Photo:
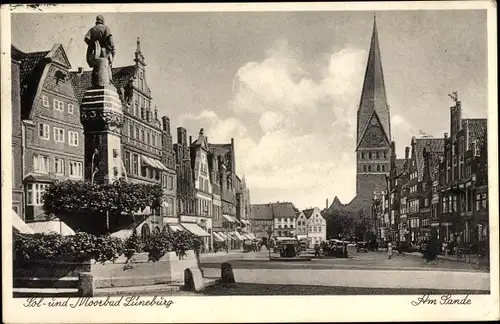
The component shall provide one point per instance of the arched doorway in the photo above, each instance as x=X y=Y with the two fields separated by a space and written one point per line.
x=145 y=231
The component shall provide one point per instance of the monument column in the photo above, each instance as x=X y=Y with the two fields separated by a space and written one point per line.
x=101 y=112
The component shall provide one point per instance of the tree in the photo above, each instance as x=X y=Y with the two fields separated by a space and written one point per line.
x=99 y=208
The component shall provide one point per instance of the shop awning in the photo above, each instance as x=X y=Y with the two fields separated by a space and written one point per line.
x=195 y=229
x=20 y=225
x=222 y=235
x=175 y=227
x=247 y=236
x=217 y=237
x=238 y=236
x=52 y=226
x=252 y=236
x=228 y=218
x=154 y=163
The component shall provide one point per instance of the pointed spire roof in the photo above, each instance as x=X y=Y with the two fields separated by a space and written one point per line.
x=139 y=57
x=373 y=97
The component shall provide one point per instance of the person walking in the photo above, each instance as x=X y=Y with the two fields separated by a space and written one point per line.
x=317 y=251
x=389 y=250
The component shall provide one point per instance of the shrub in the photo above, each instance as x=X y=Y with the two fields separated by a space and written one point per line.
x=182 y=241
x=157 y=244
x=77 y=248
x=132 y=245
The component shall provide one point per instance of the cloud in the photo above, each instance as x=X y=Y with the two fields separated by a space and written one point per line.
x=294 y=134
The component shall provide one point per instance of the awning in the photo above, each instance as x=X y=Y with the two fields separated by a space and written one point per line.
x=252 y=236
x=52 y=226
x=20 y=225
x=175 y=227
x=217 y=237
x=228 y=218
x=247 y=236
x=154 y=163
x=238 y=236
x=195 y=229
x=222 y=235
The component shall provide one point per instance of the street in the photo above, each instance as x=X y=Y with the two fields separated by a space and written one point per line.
x=361 y=273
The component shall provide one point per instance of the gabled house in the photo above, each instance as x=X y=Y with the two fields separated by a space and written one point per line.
x=52 y=134
x=311 y=225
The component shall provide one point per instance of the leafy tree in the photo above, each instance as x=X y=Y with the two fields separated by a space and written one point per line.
x=99 y=208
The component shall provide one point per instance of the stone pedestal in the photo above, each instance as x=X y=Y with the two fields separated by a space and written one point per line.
x=101 y=115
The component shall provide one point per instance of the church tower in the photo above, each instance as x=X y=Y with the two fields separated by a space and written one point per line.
x=373 y=141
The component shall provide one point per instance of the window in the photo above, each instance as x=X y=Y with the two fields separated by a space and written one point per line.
x=147 y=138
x=136 y=107
x=370 y=155
x=45 y=101
x=130 y=131
x=364 y=168
x=71 y=109
x=378 y=168
x=362 y=155
x=377 y=155
x=369 y=168
x=135 y=164
x=153 y=140
x=481 y=201
x=143 y=135
x=41 y=163
x=426 y=202
x=75 y=169
x=34 y=193
x=164 y=180
x=59 y=165
x=44 y=131
x=385 y=154
x=58 y=105
x=136 y=133
x=72 y=138
x=383 y=168
x=128 y=156
x=59 y=134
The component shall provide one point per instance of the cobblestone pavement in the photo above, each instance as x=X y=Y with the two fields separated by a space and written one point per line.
x=367 y=270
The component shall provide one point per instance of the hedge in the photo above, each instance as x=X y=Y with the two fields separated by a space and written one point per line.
x=84 y=247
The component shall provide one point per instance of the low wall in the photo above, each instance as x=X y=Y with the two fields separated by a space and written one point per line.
x=138 y=272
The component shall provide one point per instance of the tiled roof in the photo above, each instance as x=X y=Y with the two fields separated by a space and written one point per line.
x=308 y=212
x=82 y=81
x=283 y=210
x=261 y=212
x=28 y=63
x=400 y=165
x=477 y=130
x=431 y=145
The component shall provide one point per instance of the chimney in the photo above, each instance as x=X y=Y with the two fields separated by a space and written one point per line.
x=407 y=153
x=326 y=202
x=190 y=139
x=80 y=70
x=445 y=135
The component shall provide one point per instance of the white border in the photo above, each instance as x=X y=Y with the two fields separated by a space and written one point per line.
x=272 y=308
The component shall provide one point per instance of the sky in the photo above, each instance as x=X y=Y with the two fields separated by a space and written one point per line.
x=286 y=85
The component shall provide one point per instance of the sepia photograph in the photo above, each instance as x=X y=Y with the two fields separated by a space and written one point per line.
x=163 y=156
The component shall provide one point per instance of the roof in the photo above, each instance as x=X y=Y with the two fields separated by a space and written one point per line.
x=28 y=63
x=477 y=130
x=373 y=96
x=431 y=145
x=283 y=210
x=308 y=212
x=82 y=81
x=261 y=211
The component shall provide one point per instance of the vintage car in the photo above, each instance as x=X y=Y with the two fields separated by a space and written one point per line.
x=361 y=247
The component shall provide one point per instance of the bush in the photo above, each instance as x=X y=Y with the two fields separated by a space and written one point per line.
x=157 y=244
x=132 y=245
x=75 y=248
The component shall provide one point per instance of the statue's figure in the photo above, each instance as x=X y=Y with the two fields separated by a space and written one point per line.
x=100 y=52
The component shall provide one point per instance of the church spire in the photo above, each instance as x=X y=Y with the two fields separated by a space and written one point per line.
x=373 y=102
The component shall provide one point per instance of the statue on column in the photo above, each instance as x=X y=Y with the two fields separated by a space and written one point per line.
x=100 y=52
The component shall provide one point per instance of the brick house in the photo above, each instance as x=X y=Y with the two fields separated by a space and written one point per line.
x=17 y=141
x=464 y=180
x=261 y=220
x=186 y=192
x=145 y=137
x=53 y=134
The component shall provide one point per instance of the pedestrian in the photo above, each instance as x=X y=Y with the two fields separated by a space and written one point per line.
x=317 y=251
x=389 y=250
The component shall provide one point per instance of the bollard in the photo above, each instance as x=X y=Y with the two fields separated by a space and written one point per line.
x=86 y=284
x=193 y=280
x=226 y=273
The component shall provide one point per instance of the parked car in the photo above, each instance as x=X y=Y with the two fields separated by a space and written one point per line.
x=361 y=247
